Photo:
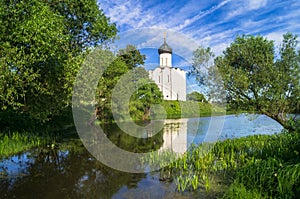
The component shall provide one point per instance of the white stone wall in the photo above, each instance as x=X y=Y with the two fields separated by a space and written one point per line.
x=171 y=81
x=178 y=84
x=165 y=59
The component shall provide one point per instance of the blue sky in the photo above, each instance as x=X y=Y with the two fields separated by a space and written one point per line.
x=192 y=23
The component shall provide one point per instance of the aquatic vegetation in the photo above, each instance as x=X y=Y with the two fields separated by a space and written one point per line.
x=194 y=182
x=259 y=165
x=15 y=142
x=239 y=191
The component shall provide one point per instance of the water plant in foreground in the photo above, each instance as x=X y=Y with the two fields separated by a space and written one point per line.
x=259 y=165
x=15 y=142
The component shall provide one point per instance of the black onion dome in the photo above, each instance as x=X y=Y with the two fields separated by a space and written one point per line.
x=164 y=48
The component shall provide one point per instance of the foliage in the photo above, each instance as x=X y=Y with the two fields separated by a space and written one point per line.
x=131 y=56
x=172 y=108
x=84 y=22
x=239 y=191
x=106 y=84
x=201 y=61
x=41 y=45
x=121 y=78
x=196 y=96
x=254 y=78
x=259 y=165
x=146 y=95
x=15 y=142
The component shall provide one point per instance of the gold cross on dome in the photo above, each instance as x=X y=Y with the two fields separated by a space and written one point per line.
x=165 y=36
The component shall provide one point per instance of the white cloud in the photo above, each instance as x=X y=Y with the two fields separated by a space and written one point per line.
x=193 y=20
x=219 y=48
x=130 y=13
x=189 y=21
x=242 y=7
x=276 y=37
x=256 y=4
x=181 y=44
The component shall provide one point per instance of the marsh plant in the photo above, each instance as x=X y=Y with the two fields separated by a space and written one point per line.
x=15 y=142
x=259 y=165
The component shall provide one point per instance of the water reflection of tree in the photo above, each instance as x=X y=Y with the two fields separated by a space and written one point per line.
x=133 y=144
x=69 y=174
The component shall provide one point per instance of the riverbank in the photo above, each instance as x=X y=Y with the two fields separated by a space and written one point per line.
x=20 y=132
x=189 y=109
x=258 y=166
x=15 y=142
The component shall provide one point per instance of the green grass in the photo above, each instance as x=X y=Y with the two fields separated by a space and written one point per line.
x=187 y=109
x=20 y=132
x=259 y=166
x=15 y=142
x=239 y=191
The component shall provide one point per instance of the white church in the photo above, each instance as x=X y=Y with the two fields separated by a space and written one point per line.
x=171 y=81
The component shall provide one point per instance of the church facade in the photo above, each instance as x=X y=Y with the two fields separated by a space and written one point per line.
x=171 y=81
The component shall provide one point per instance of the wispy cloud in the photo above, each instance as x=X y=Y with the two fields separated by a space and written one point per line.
x=209 y=23
x=191 y=23
x=256 y=4
x=202 y=14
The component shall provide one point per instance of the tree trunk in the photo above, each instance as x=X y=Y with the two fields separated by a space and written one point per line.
x=283 y=121
x=146 y=114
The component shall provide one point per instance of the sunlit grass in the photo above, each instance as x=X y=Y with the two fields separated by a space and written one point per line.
x=15 y=142
x=259 y=165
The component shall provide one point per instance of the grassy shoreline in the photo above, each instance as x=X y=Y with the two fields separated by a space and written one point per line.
x=257 y=166
x=14 y=142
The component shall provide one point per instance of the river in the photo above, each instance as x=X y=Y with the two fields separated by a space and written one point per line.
x=75 y=173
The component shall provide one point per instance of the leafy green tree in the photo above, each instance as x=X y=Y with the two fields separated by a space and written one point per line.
x=146 y=95
x=107 y=82
x=201 y=61
x=84 y=22
x=42 y=44
x=131 y=56
x=196 y=96
x=123 y=66
x=255 y=80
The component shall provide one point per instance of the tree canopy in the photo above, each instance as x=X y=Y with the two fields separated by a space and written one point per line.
x=125 y=66
x=131 y=56
x=42 y=44
x=196 y=96
x=257 y=78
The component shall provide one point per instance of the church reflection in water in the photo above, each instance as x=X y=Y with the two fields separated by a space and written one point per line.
x=175 y=136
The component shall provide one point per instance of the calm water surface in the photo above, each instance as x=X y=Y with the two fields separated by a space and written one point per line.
x=74 y=173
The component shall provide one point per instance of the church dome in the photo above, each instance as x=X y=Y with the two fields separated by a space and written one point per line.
x=165 y=48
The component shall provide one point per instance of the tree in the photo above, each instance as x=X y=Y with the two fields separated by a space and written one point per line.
x=131 y=56
x=84 y=22
x=142 y=90
x=255 y=80
x=201 y=61
x=42 y=44
x=147 y=94
x=107 y=82
x=196 y=96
